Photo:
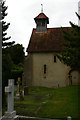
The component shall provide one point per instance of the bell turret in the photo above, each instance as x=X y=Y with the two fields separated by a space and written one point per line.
x=41 y=22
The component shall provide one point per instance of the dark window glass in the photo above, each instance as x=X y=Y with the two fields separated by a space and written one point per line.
x=44 y=68
x=54 y=58
x=43 y=23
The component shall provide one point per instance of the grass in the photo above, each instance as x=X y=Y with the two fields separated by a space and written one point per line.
x=50 y=103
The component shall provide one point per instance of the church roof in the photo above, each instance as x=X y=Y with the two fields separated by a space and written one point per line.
x=50 y=41
x=41 y=15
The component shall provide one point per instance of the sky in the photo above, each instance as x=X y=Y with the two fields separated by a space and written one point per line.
x=21 y=14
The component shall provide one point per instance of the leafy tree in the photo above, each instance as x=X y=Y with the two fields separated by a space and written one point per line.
x=5 y=26
x=7 y=62
x=6 y=68
x=71 y=53
x=7 y=65
x=6 y=59
x=16 y=53
x=17 y=71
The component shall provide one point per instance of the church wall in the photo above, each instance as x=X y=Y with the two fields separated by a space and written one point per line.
x=27 y=78
x=56 y=72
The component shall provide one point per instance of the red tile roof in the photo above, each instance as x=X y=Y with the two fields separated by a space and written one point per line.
x=51 y=41
x=41 y=15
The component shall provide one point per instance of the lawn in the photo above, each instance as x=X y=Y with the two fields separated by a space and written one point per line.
x=50 y=103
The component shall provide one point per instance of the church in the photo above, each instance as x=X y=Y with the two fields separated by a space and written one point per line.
x=41 y=65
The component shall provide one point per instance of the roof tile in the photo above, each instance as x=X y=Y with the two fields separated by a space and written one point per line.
x=50 y=41
x=41 y=15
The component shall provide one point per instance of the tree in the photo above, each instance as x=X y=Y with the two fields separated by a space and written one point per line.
x=7 y=62
x=17 y=71
x=16 y=53
x=5 y=26
x=7 y=65
x=6 y=68
x=78 y=15
x=71 y=53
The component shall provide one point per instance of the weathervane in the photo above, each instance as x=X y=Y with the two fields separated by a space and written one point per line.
x=41 y=8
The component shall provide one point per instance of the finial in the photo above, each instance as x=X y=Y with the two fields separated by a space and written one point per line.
x=41 y=8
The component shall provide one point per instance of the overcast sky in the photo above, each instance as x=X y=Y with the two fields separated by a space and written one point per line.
x=21 y=14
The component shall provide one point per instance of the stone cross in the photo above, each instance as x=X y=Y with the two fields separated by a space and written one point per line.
x=10 y=90
x=10 y=114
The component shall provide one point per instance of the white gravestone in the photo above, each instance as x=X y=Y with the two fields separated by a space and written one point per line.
x=10 y=114
x=10 y=90
x=69 y=118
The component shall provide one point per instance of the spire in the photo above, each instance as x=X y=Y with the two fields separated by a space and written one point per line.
x=41 y=8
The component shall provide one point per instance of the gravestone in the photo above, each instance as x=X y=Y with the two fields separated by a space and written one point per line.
x=69 y=118
x=18 y=87
x=26 y=90
x=10 y=114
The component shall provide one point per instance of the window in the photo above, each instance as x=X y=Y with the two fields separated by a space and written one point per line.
x=43 y=23
x=44 y=68
x=54 y=58
x=38 y=24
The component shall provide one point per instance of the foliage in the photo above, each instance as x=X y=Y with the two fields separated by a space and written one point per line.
x=7 y=66
x=16 y=52
x=12 y=56
x=7 y=62
x=10 y=70
x=78 y=15
x=5 y=26
x=17 y=71
x=71 y=53
x=17 y=56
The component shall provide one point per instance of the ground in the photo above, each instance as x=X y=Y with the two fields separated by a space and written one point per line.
x=50 y=103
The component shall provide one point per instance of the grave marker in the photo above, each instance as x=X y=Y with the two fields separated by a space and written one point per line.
x=10 y=114
x=18 y=87
x=69 y=118
x=10 y=90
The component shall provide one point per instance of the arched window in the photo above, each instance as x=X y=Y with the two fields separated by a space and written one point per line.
x=44 y=68
x=55 y=59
